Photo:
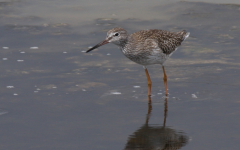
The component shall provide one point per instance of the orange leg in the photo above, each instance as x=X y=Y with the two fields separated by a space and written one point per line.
x=165 y=81
x=149 y=82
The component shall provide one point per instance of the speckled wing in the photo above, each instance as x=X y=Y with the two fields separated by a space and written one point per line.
x=169 y=41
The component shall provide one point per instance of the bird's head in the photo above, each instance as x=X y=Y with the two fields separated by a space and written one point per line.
x=116 y=36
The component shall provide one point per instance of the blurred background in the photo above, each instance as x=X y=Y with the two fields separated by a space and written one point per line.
x=55 y=96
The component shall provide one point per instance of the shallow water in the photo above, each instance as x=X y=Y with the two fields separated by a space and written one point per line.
x=55 y=96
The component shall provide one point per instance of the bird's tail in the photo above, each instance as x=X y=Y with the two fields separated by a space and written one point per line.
x=185 y=34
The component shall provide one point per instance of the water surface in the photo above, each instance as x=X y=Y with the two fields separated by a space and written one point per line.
x=55 y=96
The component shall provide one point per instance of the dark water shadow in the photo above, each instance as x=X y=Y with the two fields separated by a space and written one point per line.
x=156 y=136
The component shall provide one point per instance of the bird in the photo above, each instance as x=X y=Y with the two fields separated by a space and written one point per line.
x=146 y=47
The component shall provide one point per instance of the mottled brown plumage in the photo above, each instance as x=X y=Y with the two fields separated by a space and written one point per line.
x=145 y=47
x=167 y=41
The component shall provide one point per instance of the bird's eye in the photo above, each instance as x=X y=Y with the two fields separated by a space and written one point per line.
x=116 y=34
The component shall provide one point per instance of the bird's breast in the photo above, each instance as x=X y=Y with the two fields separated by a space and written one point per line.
x=145 y=57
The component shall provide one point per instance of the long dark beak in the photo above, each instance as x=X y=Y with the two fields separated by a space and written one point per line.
x=98 y=45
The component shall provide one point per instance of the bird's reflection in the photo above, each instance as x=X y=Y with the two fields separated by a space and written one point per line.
x=156 y=137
